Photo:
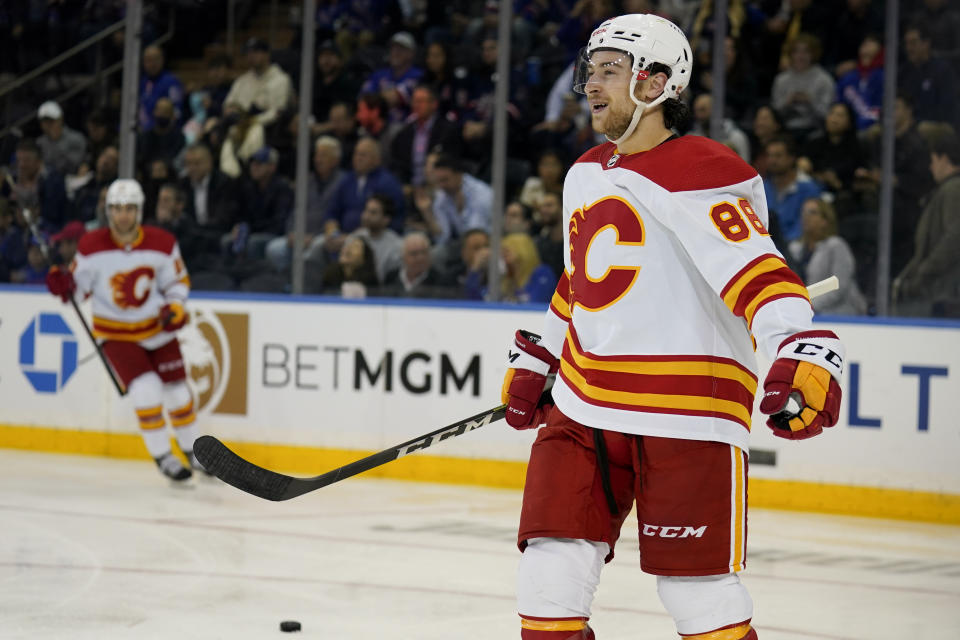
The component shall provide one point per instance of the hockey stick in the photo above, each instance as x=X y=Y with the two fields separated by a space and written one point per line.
x=219 y=460
x=824 y=286
x=45 y=248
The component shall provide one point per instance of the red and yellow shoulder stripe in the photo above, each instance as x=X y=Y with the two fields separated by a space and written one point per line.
x=560 y=303
x=764 y=279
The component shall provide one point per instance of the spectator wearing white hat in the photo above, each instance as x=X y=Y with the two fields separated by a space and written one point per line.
x=62 y=148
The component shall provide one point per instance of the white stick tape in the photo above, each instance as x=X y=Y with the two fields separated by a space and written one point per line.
x=824 y=286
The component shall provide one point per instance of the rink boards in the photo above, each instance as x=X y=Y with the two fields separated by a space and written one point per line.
x=308 y=384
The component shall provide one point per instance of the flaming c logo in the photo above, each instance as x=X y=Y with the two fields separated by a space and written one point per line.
x=127 y=289
x=586 y=225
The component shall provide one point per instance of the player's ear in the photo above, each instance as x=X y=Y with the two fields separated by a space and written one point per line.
x=651 y=88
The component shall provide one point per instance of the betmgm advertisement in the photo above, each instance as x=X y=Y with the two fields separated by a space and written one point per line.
x=327 y=377
x=339 y=376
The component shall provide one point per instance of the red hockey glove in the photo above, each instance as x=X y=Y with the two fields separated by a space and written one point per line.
x=60 y=282
x=807 y=369
x=173 y=316
x=529 y=364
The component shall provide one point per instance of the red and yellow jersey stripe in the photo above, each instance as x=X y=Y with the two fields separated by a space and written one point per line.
x=738 y=509
x=560 y=303
x=693 y=385
x=125 y=331
x=762 y=280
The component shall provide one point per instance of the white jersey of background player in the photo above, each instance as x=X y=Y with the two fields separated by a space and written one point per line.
x=671 y=280
x=139 y=286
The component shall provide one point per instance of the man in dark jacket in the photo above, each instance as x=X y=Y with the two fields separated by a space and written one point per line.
x=37 y=187
x=164 y=140
x=417 y=277
x=930 y=283
x=424 y=132
x=169 y=215
x=266 y=201
x=88 y=196
x=211 y=197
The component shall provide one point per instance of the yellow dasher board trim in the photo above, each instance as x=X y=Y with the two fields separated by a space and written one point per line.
x=874 y=502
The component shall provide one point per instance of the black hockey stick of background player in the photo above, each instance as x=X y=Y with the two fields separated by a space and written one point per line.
x=219 y=460
x=45 y=248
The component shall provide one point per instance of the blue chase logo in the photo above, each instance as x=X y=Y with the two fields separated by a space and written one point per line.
x=45 y=334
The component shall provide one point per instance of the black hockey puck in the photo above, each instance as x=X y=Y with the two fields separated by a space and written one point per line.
x=289 y=625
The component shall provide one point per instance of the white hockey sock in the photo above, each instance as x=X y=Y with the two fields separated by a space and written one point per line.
x=700 y=604
x=157 y=442
x=186 y=436
x=559 y=576
x=146 y=391
x=179 y=403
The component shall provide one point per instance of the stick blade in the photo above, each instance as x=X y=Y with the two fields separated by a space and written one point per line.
x=219 y=460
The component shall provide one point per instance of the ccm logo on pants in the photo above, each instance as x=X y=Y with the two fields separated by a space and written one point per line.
x=658 y=531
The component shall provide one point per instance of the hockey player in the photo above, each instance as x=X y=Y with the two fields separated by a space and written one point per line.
x=671 y=281
x=139 y=286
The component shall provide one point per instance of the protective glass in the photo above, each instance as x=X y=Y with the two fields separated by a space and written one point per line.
x=603 y=66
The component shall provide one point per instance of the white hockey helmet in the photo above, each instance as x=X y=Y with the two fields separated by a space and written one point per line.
x=647 y=39
x=126 y=191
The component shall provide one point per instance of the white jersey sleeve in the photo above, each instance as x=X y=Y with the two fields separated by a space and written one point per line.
x=172 y=278
x=724 y=232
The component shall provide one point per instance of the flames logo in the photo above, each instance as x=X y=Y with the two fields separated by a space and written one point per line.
x=132 y=288
x=586 y=225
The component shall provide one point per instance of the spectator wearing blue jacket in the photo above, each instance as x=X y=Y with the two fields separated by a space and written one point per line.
x=155 y=83
x=786 y=187
x=367 y=178
x=862 y=88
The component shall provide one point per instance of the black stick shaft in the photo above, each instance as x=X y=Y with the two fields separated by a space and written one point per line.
x=122 y=390
x=410 y=446
x=219 y=460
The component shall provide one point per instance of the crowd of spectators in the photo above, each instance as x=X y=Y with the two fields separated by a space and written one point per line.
x=399 y=201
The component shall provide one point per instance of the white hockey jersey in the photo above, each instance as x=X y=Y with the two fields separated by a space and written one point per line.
x=669 y=270
x=130 y=284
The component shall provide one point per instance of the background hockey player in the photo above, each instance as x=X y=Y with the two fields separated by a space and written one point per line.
x=671 y=281
x=139 y=286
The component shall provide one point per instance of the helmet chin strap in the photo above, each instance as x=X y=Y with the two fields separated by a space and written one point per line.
x=637 y=112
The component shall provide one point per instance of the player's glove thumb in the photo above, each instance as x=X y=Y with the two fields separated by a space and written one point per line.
x=528 y=364
x=807 y=369
x=173 y=316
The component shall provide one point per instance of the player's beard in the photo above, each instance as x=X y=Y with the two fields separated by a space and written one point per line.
x=618 y=119
x=125 y=231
